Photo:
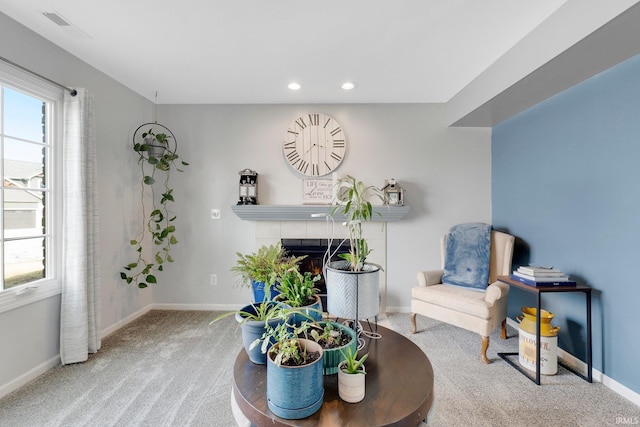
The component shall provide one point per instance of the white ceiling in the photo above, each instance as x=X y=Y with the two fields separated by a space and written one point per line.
x=247 y=51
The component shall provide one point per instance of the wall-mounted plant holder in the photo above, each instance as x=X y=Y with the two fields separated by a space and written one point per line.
x=153 y=140
x=156 y=147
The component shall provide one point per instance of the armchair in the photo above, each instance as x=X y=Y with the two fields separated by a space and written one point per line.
x=477 y=311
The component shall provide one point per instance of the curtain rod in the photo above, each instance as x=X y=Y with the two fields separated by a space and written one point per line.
x=73 y=92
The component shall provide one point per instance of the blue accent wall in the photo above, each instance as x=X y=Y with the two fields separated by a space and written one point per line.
x=566 y=183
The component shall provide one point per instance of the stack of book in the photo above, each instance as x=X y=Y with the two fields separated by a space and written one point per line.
x=541 y=276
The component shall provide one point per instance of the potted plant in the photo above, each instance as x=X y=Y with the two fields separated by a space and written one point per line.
x=260 y=269
x=295 y=384
x=298 y=290
x=155 y=144
x=351 y=377
x=254 y=321
x=160 y=221
x=352 y=283
x=334 y=338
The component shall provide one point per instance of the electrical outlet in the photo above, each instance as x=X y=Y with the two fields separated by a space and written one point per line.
x=213 y=280
x=215 y=213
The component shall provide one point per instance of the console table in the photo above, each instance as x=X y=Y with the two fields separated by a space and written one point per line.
x=399 y=389
x=538 y=291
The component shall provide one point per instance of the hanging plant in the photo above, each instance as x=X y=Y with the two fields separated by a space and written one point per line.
x=156 y=147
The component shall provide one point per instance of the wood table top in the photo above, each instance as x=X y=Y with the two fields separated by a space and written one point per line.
x=399 y=389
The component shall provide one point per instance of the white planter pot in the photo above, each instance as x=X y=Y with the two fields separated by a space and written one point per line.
x=154 y=148
x=351 y=387
x=348 y=289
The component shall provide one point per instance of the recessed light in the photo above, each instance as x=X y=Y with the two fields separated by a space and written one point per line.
x=294 y=86
x=347 y=85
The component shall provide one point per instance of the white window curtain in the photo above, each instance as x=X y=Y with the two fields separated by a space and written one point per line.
x=80 y=306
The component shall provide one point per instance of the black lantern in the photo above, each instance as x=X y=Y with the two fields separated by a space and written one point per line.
x=393 y=193
x=248 y=187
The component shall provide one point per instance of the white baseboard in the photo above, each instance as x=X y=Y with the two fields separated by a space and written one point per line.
x=622 y=390
x=401 y=309
x=126 y=320
x=580 y=366
x=198 y=307
x=23 y=379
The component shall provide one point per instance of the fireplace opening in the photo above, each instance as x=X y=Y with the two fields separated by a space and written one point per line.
x=315 y=250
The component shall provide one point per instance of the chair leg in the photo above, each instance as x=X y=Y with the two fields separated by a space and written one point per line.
x=504 y=329
x=483 y=351
x=413 y=323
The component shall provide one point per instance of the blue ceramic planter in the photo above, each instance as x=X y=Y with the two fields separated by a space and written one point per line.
x=252 y=330
x=259 y=294
x=295 y=392
x=314 y=311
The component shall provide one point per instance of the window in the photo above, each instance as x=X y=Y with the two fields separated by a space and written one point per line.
x=29 y=136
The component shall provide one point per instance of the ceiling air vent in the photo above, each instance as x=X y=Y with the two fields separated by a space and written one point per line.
x=57 y=19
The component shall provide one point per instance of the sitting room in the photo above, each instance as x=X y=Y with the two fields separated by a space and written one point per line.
x=518 y=117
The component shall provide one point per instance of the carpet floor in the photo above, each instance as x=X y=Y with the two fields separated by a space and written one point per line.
x=171 y=368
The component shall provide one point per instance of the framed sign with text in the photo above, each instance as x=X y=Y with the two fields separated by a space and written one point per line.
x=317 y=191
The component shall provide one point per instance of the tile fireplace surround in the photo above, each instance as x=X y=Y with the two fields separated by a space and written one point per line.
x=273 y=223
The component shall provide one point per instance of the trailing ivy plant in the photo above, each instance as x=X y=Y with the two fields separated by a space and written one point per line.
x=156 y=167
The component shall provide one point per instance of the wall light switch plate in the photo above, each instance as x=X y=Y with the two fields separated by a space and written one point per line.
x=215 y=213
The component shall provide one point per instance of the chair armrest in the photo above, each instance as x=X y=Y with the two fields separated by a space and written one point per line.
x=430 y=278
x=495 y=291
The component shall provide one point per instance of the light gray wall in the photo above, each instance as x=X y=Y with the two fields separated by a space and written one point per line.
x=31 y=332
x=446 y=173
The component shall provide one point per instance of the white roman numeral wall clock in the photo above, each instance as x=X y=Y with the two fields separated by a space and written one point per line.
x=314 y=144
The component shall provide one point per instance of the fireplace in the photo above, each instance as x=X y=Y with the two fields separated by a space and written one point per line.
x=315 y=250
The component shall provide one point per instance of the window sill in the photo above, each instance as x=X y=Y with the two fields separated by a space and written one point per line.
x=23 y=295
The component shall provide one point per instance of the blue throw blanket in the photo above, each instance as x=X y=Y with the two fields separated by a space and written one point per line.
x=467 y=252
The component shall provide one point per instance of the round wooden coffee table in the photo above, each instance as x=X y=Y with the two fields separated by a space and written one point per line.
x=399 y=389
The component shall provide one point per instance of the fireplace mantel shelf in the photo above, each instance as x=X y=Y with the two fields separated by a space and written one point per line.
x=303 y=212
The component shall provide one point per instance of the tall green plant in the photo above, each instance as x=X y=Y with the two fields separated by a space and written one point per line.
x=353 y=200
x=264 y=265
x=160 y=221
